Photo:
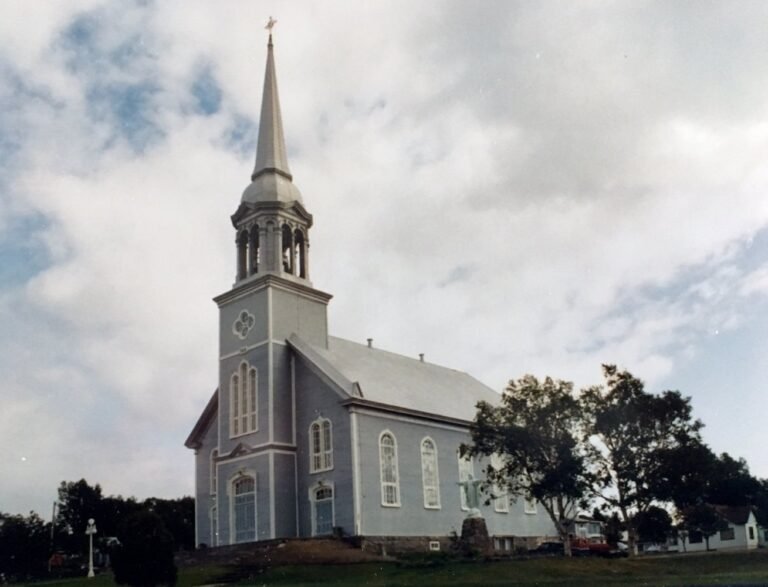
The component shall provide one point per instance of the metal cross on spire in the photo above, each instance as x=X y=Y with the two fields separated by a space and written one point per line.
x=270 y=25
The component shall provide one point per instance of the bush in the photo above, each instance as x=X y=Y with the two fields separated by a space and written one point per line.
x=144 y=557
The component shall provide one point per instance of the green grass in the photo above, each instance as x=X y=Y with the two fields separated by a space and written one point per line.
x=729 y=569
x=712 y=569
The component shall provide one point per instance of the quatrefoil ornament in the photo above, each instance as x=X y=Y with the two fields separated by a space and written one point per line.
x=243 y=324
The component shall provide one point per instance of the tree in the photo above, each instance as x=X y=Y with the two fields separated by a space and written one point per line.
x=626 y=431
x=144 y=557
x=653 y=525
x=178 y=515
x=24 y=544
x=535 y=433
x=703 y=519
x=78 y=502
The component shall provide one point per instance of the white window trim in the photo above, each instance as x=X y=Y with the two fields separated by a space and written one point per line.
x=437 y=474
x=396 y=484
x=313 y=501
x=501 y=503
x=470 y=464
x=323 y=449
x=213 y=471
x=252 y=416
x=231 y=495
x=213 y=522
x=529 y=506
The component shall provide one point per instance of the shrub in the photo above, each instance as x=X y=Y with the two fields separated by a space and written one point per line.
x=144 y=557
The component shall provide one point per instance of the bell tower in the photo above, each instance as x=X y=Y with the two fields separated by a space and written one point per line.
x=272 y=224
x=272 y=298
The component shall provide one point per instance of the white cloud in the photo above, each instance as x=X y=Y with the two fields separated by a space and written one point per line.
x=509 y=191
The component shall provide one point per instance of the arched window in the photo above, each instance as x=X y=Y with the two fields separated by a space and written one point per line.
x=501 y=501
x=430 y=478
x=243 y=392
x=466 y=470
x=242 y=255
x=244 y=509
x=320 y=446
x=214 y=527
x=300 y=253
x=213 y=475
x=322 y=510
x=287 y=253
x=390 y=484
x=254 y=251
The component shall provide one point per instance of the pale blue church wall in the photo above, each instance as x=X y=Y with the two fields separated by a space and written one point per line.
x=411 y=517
x=314 y=399
x=294 y=313
x=282 y=397
x=203 y=498
x=253 y=465
x=256 y=304
x=285 y=495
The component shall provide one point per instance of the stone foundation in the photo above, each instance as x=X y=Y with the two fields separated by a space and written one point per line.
x=474 y=536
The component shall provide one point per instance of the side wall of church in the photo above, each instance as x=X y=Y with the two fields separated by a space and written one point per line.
x=411 y=517
x=204 y=500
x=315 y=399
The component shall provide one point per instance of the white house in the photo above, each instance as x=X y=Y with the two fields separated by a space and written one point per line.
x=742 y=532
x=308 y=434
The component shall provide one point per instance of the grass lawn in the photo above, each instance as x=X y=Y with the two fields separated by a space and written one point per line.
x=712 y=569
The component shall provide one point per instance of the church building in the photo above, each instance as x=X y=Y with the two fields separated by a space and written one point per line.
x=311 y=435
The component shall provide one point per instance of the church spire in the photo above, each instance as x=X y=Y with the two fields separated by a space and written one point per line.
x=271 y=179
x=270 y=153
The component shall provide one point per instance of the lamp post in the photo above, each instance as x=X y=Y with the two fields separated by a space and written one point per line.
x=90 y=531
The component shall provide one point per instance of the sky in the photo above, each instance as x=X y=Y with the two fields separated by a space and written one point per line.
x=507 y=187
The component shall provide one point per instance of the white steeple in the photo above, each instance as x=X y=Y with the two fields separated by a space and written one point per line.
x=271 y=179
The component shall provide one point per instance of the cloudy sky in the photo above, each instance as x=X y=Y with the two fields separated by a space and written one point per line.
x=507 y=187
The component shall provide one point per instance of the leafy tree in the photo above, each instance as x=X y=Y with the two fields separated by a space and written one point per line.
x=704 y=519
x=78 y=501
x=627 y=429
x=178 y=515
x=144 y=557
x=24 y=544
x=535 y=431
x=653 y=524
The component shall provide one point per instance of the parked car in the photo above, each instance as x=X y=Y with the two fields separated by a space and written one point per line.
x=549 y=548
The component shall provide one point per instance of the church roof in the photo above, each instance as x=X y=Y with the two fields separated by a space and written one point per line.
x=392 y=380
x=194 y=440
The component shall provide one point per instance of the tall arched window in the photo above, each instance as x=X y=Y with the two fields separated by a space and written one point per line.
x=429 y=475
x=287 y=253
x=243 y=392
x=214 y=527
x=390 y=484
x=244 y=509
x=466 y=470
x=213 y=475
x=320 y=446
x=501 y=501
x=300 y=253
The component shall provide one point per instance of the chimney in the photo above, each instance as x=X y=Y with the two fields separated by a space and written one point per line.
x=421 y=357
x=370 y=343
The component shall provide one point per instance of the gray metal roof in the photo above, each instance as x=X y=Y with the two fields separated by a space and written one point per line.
x=396 y=380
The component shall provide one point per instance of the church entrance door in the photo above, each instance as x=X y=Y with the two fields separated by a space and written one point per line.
x=322 y=511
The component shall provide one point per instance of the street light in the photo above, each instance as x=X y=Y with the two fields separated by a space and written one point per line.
x=90 y=531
